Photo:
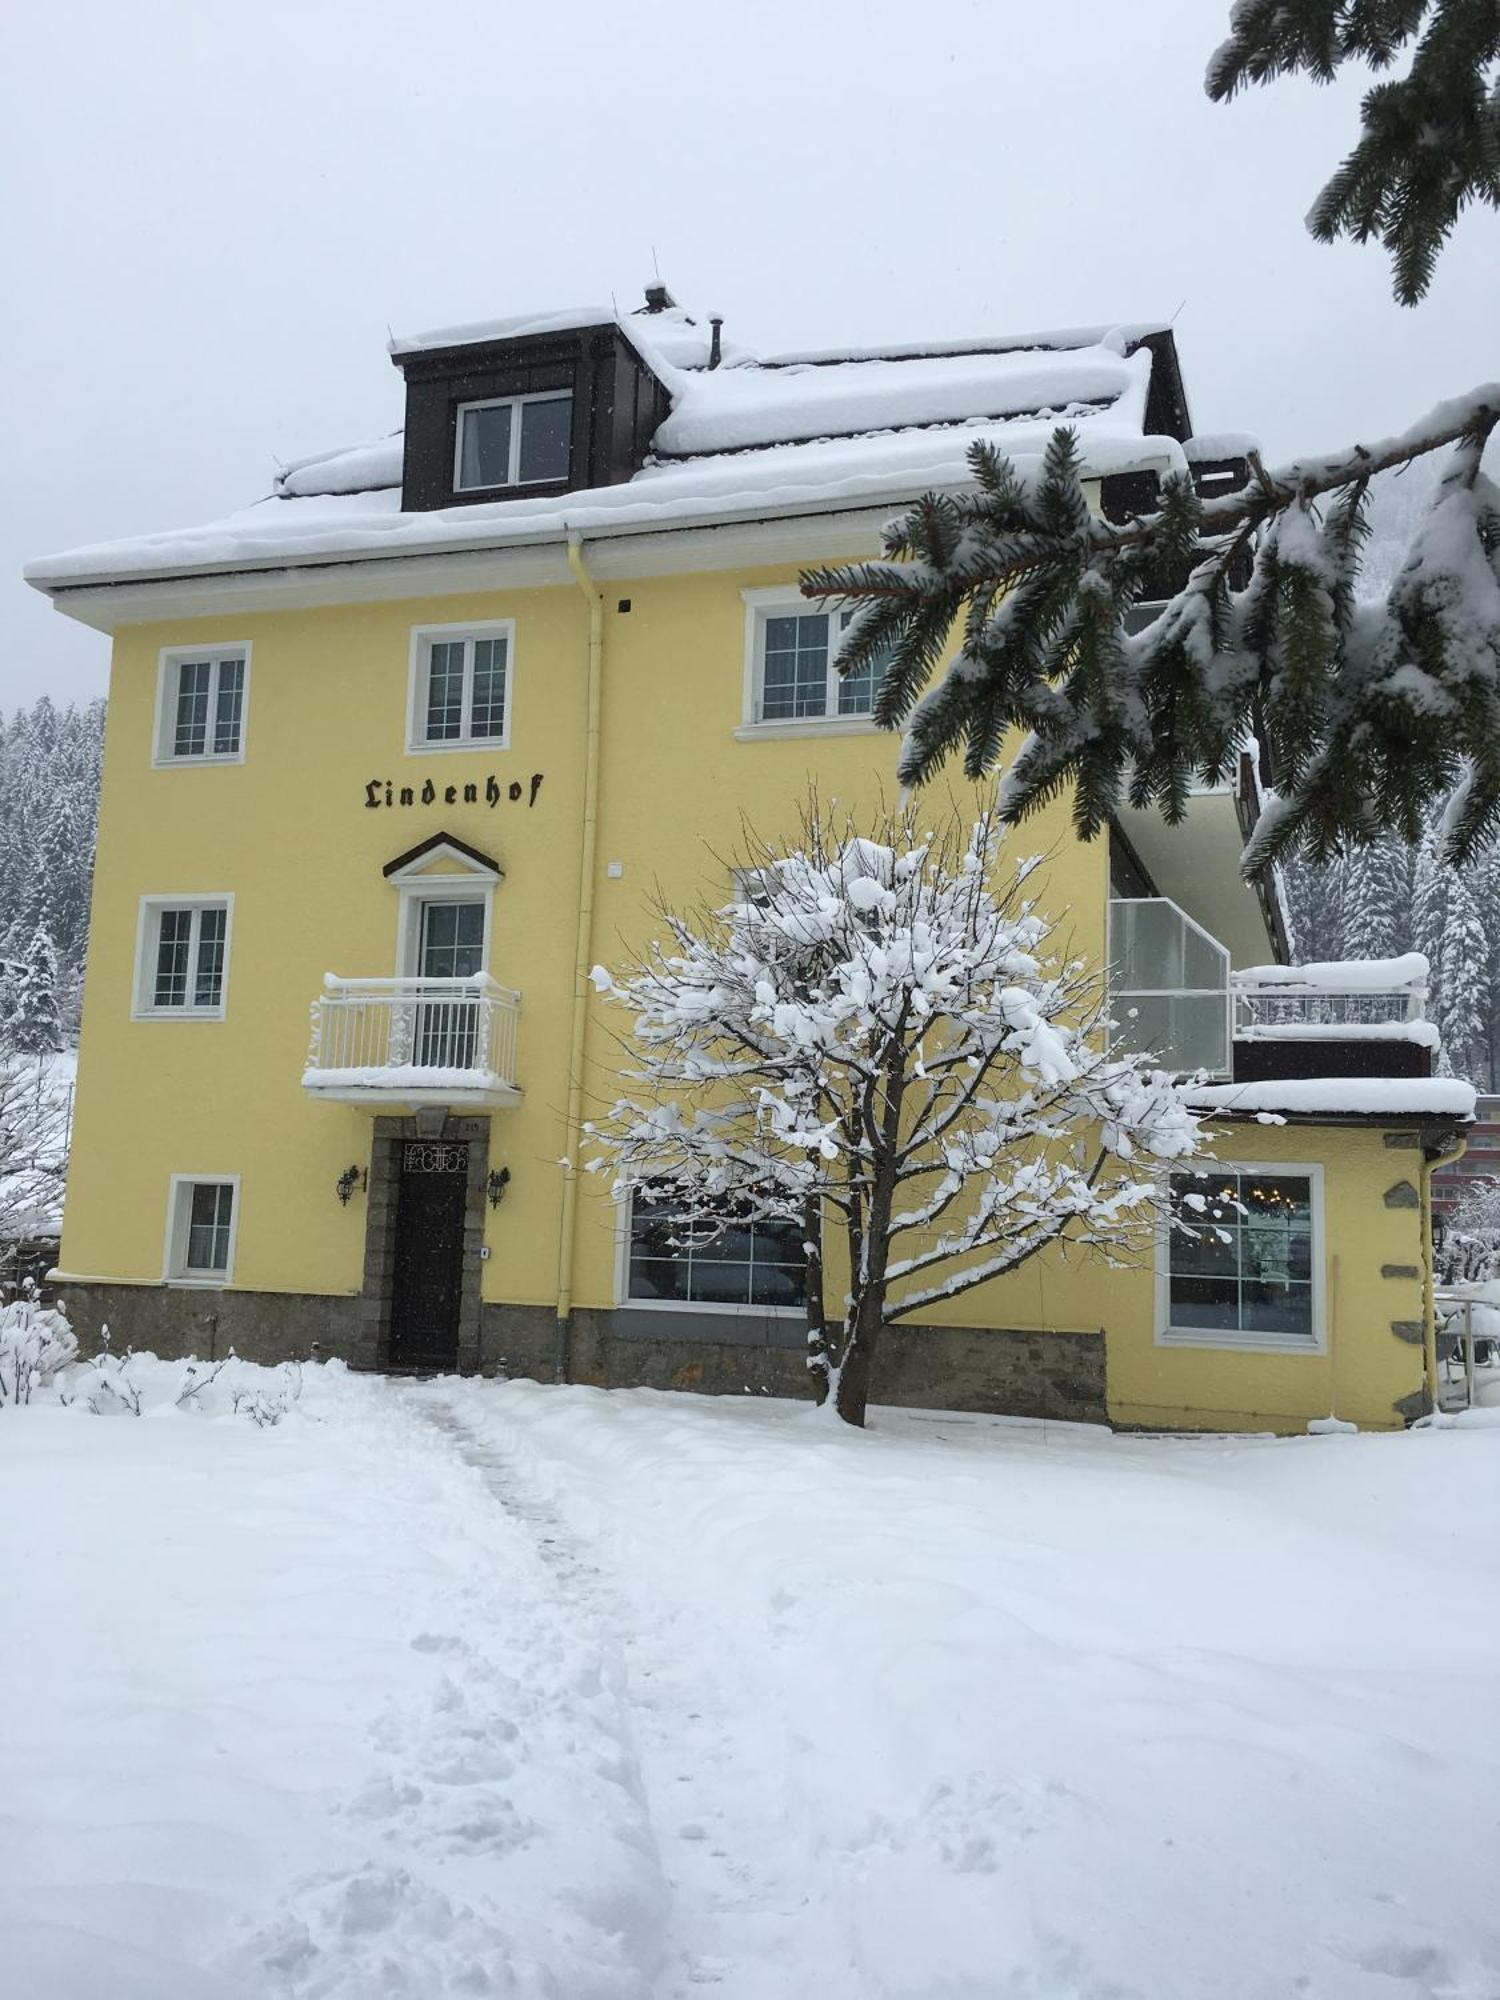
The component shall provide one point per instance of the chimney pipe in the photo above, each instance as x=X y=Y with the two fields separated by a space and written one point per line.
x=715 y=351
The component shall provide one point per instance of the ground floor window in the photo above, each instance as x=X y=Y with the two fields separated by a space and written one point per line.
x=721 y=1261
x=1243 y=1259
x=200 y=1230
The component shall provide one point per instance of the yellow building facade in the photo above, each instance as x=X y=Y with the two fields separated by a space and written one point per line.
x=387 y=772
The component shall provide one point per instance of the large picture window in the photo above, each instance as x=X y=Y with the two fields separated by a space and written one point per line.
x=513 y=441
x=731 y=1262
x=793 y=673
x=201 y=705
x=183 y=957
x=1243 y=1259
x=461 y=688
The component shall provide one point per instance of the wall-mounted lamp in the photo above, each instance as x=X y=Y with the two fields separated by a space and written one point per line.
x=350 y=1179
x=496 y=1185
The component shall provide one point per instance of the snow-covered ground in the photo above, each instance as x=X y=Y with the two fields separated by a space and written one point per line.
x=469 y=1688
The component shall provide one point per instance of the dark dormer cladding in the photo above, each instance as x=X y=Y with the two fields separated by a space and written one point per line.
x=519 y=418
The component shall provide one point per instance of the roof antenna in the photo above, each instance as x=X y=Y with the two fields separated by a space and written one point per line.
x=715 y=348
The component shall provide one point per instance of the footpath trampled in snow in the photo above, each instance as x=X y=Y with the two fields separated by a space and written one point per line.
x=480 y=1688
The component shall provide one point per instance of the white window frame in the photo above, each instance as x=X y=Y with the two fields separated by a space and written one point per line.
x=423 y=638
x=513 y=403
x=174 y=1267
x=1239 y=1342
x=425 y=889
x=721 y=1308
x=147 y=940
x=782 y=600
x=164 y=727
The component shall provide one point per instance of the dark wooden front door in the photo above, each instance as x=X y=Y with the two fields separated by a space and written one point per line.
x=427 y=1289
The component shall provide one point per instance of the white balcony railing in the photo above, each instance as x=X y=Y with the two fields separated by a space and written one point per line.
x=451 y=1040
x=1284 y=1002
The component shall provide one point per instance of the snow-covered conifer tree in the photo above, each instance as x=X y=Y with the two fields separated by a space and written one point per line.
x=1376 y=917
x=1463 y=996
x=875 y=1042
x=35 y=1026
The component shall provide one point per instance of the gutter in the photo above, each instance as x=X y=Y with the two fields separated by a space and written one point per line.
x=582 y=957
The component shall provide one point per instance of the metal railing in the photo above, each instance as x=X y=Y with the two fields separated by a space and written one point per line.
x=1270 y=1007
x=391 y=1030
x=1462 y=1349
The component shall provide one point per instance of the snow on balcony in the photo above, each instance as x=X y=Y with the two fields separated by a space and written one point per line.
x=404 y=1043
x=1369 y=999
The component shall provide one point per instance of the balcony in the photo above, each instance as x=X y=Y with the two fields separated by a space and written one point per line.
x=397 y=1045
x=1329 y=1002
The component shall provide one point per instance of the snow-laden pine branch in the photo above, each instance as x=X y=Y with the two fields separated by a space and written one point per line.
x=1364 y=712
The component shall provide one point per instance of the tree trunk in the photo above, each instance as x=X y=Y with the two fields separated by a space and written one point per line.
x=858 y=1359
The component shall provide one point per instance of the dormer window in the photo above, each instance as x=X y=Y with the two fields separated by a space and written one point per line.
x=513 y=441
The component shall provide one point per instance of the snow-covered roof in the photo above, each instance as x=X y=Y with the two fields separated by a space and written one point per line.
x=1340 y=1097
x=754 y=438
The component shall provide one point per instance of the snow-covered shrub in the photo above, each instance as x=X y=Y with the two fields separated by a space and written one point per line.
x=36 y=1341
x=105 y=1386
x=265 y=1406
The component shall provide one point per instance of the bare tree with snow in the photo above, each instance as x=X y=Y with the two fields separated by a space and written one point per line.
x=877 y=1041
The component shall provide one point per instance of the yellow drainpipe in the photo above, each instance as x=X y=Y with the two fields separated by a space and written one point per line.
x=583 y=951
x=1429 y=1305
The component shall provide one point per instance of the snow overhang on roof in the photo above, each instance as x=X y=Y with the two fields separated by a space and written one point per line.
x=752 y=440
x=1341 y=1099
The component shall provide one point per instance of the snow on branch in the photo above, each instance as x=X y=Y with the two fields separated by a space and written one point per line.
x=877 y=1034
x=1364 y=711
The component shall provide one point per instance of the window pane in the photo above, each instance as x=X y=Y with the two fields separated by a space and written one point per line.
x=1209 y=1303
x=229 y=703
x=172 y=941
x=857 y=691
x=776 y=1285
x=208 y=977
x=794 y=675
x=190 y=737
x=545 y=428
x=484 y=453
x=1288 y=1197
x=718 y=1284
x=657 y=1278
x=1278 y=1309
x=488 y=718
x=1211 y=1252
x=1146 y=940
x=452 y=940
x=445 y=690
x=208 y=1227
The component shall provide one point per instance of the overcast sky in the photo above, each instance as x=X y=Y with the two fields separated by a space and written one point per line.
x=212 y=213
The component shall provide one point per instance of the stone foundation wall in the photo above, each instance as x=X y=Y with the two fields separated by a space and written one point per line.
x=178 y=1320
x=922 y=1367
